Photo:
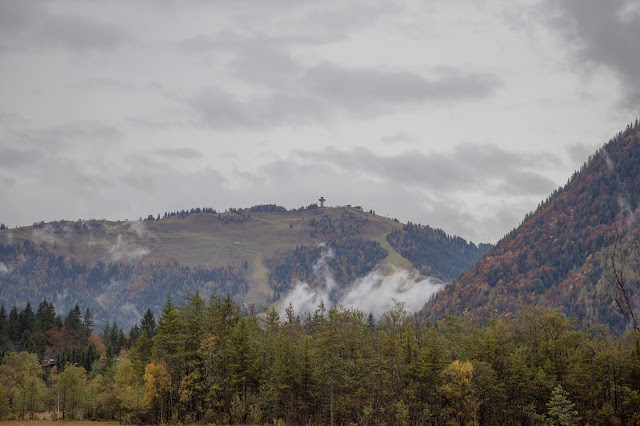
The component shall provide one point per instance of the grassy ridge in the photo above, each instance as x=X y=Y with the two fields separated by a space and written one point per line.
x=205 y=239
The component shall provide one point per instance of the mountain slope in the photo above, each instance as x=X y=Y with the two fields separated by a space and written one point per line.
x=119 y=269
x=557 y=256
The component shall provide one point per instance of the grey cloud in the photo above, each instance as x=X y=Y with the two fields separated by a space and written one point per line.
x=606 y=33
x=140 y=162
x=14 y=158
x=327 y=90
x=12 y=119
x=107 y=83
x=299 y=23
x=188 y=153
x=468 y=167
x=218 y=109
x=16 y=15
x=394 y=138
x=579 y=153
x=259 y=58
x=529 y=183
x=360 y=88
x=154 y=124
x=78 y=33
x=84 y=132
x=32 y=24
x=267 y=65
x=234 y=41
x=338 y=20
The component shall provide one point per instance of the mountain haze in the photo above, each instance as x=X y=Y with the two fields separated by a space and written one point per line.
x=558 y=256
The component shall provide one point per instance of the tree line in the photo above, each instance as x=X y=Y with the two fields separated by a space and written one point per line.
x=212 y=362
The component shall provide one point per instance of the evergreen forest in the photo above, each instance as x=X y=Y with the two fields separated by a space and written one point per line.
x=209 y=361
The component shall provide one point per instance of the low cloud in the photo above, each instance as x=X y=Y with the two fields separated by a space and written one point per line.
x=129 y=314
x=579 y=153
x=139 y=229
x=374 y=293
x=126 y=250
x=45 y=234
x=111 y=295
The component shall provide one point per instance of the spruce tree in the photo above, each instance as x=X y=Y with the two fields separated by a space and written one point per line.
x=87 y=323
x=148 y=324
x=561 y=410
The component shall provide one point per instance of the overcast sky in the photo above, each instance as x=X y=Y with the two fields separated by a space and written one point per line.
x=462 y=115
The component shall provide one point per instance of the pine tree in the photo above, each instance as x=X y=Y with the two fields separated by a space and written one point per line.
x=169 y=345
x=560 y=409
x=87 y=323
x=14 y=325
x=148 y=324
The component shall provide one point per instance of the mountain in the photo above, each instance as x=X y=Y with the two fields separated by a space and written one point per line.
x=559 y=255
x=257 y=254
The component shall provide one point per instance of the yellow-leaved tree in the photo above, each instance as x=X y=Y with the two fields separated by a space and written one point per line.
x=458 y=388
x=157 y=382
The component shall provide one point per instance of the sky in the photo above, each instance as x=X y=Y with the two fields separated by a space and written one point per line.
x=462 y=115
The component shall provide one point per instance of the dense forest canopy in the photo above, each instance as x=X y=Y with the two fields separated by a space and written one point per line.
x=560 y=255
x=210 y=361
x=435 y=253
x=113 y=291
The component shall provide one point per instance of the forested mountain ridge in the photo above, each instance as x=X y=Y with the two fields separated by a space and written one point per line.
x=558 y=256
x=435 y=253
x=118 y=269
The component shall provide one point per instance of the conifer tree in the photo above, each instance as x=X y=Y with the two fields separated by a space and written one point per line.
x=169 y=345
x=561 y=410
x=148 y=324
x=87 y=323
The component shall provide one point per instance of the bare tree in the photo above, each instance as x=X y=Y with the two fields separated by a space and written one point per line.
x=622 y=275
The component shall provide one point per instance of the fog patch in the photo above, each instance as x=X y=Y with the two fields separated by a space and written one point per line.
x=129 y=314
x=62 y=302
x=125 y=250
x=139 y=229
x=374 y=293
x=610 y=164
x=50 y=233
x=45 y=234
x=305 y=298
x=4 y=269
x=108 y=298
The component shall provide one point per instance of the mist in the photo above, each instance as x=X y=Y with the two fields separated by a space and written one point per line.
x=374 y=293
